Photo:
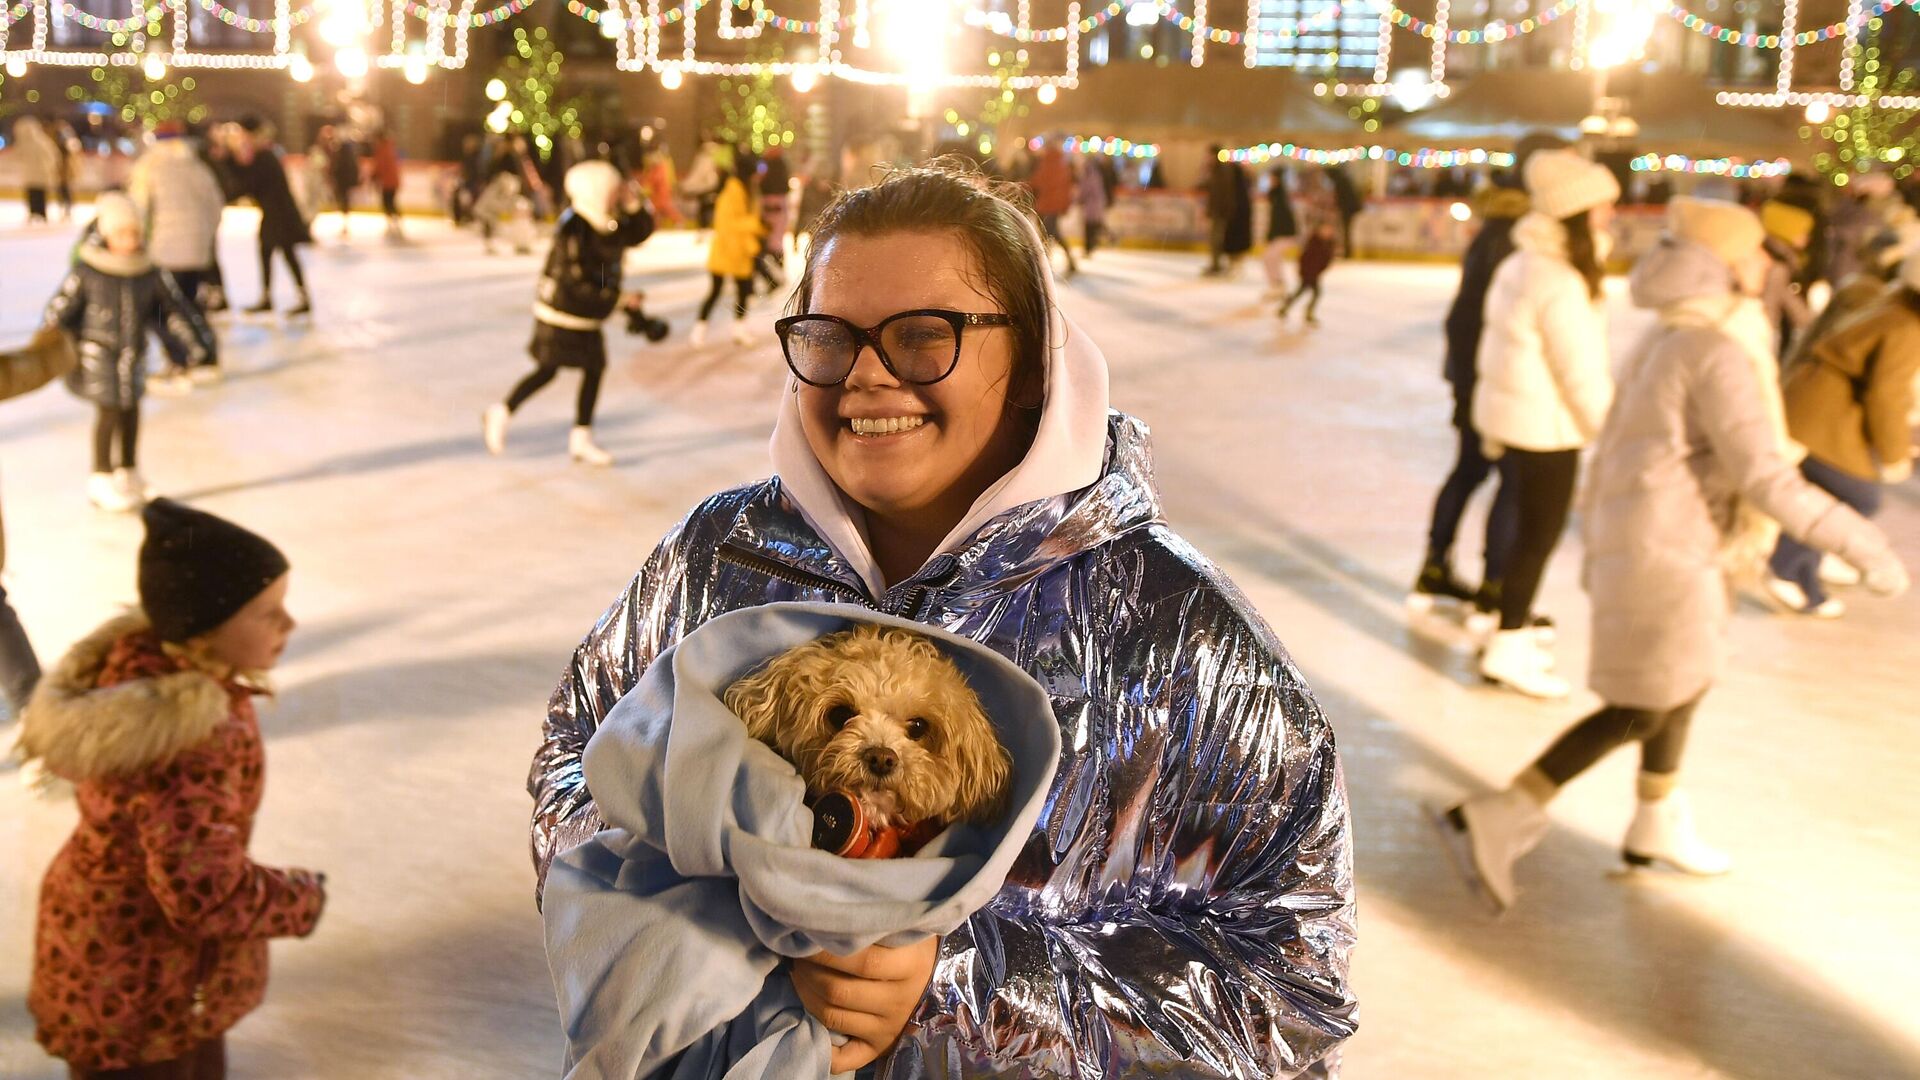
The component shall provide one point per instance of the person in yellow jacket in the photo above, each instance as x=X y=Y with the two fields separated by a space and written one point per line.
x=737 y=230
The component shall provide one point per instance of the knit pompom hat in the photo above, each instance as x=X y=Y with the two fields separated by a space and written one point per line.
x=197 y=570
x=592 y=188
x=1561 y=184
x=1789 y=224
x=1729 y=230
x=113 y=211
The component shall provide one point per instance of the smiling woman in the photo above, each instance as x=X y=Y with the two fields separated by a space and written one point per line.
x=945 y=453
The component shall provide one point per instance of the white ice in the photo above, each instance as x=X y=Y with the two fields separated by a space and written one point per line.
x=441 y=591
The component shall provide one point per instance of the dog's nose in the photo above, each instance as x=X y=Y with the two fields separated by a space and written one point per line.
x=879 y=760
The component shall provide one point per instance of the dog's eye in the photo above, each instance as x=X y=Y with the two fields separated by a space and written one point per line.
x=916 y=729
x=840 y=716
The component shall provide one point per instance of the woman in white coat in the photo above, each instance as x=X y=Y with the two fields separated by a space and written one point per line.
x=37 y=158
x=1544 y=387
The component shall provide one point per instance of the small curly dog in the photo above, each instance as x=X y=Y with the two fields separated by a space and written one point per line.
x=890 y=739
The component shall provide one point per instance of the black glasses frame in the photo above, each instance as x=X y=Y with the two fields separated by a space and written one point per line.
x=869 y=337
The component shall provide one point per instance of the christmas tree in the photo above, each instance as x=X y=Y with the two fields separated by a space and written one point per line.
x=1868 y=136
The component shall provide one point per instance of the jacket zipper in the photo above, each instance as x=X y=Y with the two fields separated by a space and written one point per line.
x=911 y=599
x=780 y=572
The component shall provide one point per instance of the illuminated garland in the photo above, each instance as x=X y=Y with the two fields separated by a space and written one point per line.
x=250 y=24
x=1732 y=167
x=1726 y=35
x=1000 y=23
x=1491 y=33
x=1095 y=144
x=490 y=17
x=1424 y=158
x=110 y=26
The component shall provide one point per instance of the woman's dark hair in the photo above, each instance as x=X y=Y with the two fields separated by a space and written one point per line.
x=1582 y=253
x=950 y=194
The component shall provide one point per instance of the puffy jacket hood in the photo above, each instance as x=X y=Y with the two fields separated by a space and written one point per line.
x=592 y=187
x=80 y=732
x=1069 y=450
x=93 y=251
x=1676 y=271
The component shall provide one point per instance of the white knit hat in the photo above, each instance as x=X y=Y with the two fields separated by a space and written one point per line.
x=1729 y=230
x=113 y=211
x=1561 y=184
x=591 y=187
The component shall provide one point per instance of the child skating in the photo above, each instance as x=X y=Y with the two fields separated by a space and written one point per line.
x=110 y=301
x=579 y=290
x=154 y=919
x=1315 y=257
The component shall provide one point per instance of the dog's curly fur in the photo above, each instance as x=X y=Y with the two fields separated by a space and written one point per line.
x=837 y=706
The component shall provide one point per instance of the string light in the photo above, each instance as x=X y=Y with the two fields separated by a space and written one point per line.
x=1799 y=98
x=1261 y=153
x=1730 y=167
x=1728 y=36
x=1097 y=144
x=1383 y=52
x=1789 y=20
x=1199 y=32
x=1437 y=69
x=1853 y=38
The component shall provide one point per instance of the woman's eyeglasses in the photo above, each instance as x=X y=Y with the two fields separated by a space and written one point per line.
x=921 y=346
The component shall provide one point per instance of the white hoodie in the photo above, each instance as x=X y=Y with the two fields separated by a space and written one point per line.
x=1068 y=452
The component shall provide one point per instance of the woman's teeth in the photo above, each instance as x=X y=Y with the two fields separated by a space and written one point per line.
x=888 y=425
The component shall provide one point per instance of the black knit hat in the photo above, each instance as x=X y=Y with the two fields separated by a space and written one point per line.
x=197 y=570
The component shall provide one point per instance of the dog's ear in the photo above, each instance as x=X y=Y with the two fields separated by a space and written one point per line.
x=778 y=701
x=985 y=768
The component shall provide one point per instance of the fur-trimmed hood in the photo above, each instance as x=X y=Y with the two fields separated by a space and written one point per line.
x=81 y=733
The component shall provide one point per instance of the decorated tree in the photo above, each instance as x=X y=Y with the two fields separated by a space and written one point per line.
x=1868 y=136
x=753 y=113
x=526 y=92
x=138 y=100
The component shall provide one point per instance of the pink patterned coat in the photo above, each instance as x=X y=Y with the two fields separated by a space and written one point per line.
x=153 y=926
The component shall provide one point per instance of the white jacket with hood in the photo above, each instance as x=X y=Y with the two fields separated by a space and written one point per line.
x=180 y=201
x=1544 y=373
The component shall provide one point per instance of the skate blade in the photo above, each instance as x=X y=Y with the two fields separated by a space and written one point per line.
x=1453 y=840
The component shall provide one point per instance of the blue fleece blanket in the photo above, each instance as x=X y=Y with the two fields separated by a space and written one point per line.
x=667 y=932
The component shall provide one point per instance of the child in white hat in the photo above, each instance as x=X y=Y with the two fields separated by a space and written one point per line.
x=110 y=301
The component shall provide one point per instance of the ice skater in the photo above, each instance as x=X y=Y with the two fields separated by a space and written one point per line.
x=47 y=357
x=737 y=230
x=1542 y=387
x=1499 y=207
x=1316 y=256
x=181 y=201
x=109 y=302
x=579 y=290
x=153 y=919
x=283 y=228
x=1694 y=452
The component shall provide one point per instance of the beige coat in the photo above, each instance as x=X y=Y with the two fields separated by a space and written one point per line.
x=1850 y=406
x=1689 y=438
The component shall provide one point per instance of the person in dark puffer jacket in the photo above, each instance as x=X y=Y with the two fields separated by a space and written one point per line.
x=111 y=300
x=579 y=290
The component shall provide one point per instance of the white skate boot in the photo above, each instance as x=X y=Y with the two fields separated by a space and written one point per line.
x=133 y=486
x=1515 y=659
x=1663 y=832
x=741 y=334
x=697 y=336
x=582 y=448
x=107 y=495
x=1489 y=834
x=493 y=428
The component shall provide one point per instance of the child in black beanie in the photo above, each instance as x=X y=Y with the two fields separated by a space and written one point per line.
x=154 y=920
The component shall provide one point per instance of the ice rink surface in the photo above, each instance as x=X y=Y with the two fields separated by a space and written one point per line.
x=441 y=591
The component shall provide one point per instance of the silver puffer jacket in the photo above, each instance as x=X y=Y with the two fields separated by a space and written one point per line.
x=1185 y=905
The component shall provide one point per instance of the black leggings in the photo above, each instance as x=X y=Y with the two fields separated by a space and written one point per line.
x=36 y=204
x=1662 y=735
x=583 y=405
x=1542 y=484
x=390 y=201
x=266 y=267
x=1050 y=225
x=115 y=426
x=1470 y=470
x=742 y=288
x=1313 y=302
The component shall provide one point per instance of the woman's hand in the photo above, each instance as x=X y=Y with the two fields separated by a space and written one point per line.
x=868 y=997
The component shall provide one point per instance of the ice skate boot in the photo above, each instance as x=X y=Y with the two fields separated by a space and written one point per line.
x=303 y=308
x=1837 y=571
x=133 y=486
x=173 y=382
x=582 y=448
x=1487 y=835
x=263 y=307
x=1663 y=832
x=697 y=337
x=205 y=374
x=1515 y=659
x=1435 y=585
x=106 y=495
x=493 y=428
x=741 y=334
